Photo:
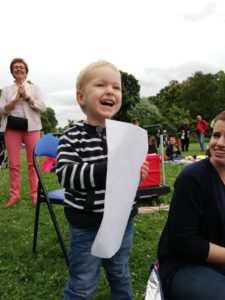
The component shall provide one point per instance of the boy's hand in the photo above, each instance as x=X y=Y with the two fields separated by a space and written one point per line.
x=144 y=170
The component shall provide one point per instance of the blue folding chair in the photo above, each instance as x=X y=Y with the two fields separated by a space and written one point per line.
x=47 y=146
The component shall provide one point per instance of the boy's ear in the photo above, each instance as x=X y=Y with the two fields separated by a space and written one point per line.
x=80 y=98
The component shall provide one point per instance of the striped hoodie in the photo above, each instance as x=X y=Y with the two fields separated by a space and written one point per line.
x=81 y=170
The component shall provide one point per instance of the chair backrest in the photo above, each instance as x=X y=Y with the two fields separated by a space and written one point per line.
x=47 y=146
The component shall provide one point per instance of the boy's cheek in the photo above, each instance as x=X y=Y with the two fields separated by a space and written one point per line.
x=119 y=106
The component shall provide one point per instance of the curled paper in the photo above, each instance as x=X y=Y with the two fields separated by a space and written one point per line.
x=127 y=148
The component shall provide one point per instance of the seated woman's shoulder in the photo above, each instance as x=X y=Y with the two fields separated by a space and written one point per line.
x=198 y=167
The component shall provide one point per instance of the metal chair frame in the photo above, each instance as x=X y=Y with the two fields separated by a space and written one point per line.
x=47 y=146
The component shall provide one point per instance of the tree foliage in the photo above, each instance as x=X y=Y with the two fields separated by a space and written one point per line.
x=167 y=101
x=48 y=120
x=200 y=94
x=147 y=112
x=0 y=113
x=130 y=96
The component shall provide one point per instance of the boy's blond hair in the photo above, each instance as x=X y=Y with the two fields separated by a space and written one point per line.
x=82 y=76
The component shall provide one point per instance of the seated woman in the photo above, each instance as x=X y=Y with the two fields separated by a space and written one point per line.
x=172 y=149
x=191 y=249
x=152 y=145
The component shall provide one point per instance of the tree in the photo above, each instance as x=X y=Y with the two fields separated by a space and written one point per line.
x=199 y=94
x=173 y=117
x=168 y=100
x=147 y=112
x=48 y=120
x=61 y=129
x=130 y=96
x=0 y=113
x=168 y=95
x=220 y=82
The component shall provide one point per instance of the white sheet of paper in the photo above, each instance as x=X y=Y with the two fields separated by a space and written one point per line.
x=127 y=149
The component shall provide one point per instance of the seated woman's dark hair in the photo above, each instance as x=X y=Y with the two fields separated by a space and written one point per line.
x=220 y=116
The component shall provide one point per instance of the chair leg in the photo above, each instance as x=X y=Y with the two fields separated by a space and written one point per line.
x=58 y=232
x=37 y=211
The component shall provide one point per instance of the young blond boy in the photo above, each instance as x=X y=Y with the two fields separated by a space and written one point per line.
x=82 y=166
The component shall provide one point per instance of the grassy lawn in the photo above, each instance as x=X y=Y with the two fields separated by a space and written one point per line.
x=43 y=276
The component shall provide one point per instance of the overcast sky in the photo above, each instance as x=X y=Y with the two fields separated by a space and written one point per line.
x=155 y=40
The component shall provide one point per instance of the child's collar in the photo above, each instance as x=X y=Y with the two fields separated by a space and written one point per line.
x=95 y=129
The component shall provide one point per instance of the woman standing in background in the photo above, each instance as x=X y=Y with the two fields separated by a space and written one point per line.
x=21 y=104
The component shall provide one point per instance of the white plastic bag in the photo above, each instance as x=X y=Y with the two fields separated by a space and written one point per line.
x=154 y=287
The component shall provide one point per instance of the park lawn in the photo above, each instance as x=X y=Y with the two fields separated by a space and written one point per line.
x=44 y=275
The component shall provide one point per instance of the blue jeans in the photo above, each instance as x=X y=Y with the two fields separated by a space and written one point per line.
x=84 y=268
x=198 y=282
x=201 y=138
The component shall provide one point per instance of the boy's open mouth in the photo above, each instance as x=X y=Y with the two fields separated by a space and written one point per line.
x=107 y=103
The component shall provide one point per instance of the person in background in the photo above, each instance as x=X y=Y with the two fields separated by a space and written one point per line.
x=136 y=121
x=21 y=104
x=158 y=137
x=172 y=149
x=152 y=145
x=191 y=249
x=81 y=169
x=185 y=131
x=42 y=132
x=201 y=129
x=165 y=138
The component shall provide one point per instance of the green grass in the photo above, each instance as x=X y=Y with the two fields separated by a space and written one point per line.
x=44 y=275
x=172 y=171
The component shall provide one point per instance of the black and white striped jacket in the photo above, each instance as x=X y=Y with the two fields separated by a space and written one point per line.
x=81 y=170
